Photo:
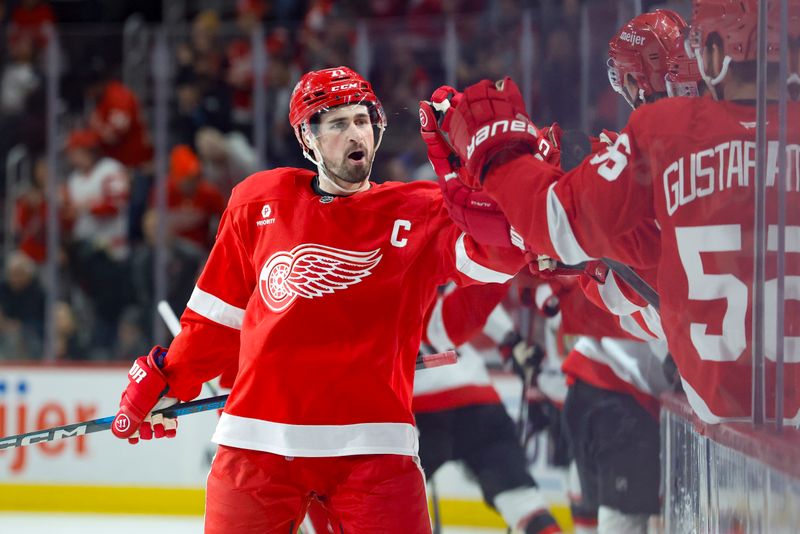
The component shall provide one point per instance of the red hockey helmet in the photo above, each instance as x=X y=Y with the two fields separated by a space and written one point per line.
x=321 y=90
x=683 y=74
x=736 y=23
x=640 y=49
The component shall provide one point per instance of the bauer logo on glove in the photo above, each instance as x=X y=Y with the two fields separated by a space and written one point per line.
x=486 y=120
x=501 y=126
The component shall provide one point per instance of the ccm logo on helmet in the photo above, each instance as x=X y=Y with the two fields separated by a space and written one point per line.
x=344 y=87
x=490 y=130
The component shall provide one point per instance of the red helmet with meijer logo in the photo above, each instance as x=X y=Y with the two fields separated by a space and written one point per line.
x=641 y=49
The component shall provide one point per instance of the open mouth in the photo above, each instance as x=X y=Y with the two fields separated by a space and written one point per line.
x=356 y=155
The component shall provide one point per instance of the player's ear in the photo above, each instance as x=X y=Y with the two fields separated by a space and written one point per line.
x=713 y=55
x=631 y=87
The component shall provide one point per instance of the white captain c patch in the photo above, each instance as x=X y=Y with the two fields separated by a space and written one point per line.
x=400 y=225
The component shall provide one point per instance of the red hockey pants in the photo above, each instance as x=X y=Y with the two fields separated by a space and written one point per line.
x=253 y=492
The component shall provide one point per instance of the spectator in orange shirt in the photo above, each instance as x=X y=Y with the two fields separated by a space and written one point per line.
x=195 y=205
x=117 y=120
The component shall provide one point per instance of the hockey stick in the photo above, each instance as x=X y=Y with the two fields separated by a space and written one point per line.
x=630 y=277
x=174 y=326
x=527 y=371
x=168 y=316
x=627 y=275
x=185 y=408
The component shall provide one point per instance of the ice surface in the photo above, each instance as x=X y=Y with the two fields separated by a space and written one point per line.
x=128 y=524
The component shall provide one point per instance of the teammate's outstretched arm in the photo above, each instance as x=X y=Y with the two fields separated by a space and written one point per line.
x=574 y=216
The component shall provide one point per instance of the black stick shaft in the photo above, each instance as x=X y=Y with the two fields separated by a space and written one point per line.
x=185 y=408
x=635 y=281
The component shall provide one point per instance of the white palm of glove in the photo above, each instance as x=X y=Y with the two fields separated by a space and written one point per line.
x=157 y=425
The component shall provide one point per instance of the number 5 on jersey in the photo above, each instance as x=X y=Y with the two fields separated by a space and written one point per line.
x=728 y=347
x=612 y=161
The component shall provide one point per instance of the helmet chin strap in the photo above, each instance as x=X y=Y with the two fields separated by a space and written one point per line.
x=712 y=82
x=327 y=181
x=324 y=177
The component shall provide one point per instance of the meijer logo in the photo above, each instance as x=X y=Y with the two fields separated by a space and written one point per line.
x=635 y=40
x=490 y=130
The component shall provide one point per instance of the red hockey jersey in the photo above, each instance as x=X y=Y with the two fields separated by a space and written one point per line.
x=688 y=163
x=322 y=300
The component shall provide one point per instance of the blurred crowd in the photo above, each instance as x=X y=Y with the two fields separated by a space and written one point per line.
x=107 y=221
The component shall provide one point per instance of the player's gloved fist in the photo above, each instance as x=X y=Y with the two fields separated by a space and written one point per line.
x=488 y=121
x=549 y=144
x=146 y=387
x=472 y=211
x=433 y=114
x=545 y=267
x=519 y=354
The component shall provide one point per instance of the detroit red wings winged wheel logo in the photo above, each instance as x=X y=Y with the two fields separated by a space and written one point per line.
x=312 y=271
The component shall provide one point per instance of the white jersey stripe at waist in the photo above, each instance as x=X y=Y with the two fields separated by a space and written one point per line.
x=215 y=309
x=316 y=440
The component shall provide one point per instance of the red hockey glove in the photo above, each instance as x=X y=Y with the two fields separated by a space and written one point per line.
x=488 y=121
x=472 y=211
x=144 y=393
x=546 y=267
x=517 y=353
x=549 y=144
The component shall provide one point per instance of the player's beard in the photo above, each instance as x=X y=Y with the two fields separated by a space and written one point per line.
x=349 y=171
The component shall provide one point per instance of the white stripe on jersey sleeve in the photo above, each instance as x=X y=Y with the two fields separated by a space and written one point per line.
x=629 y=324
x=475 y=270
x=498 y=325
x=561 y=235
x=653 y=321
x=436 y=331
x=215 y=309
x=614 y=299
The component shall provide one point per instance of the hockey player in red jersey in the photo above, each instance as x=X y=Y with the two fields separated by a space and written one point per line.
x=611 y=409
x=688 y=163
x=317 y=284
